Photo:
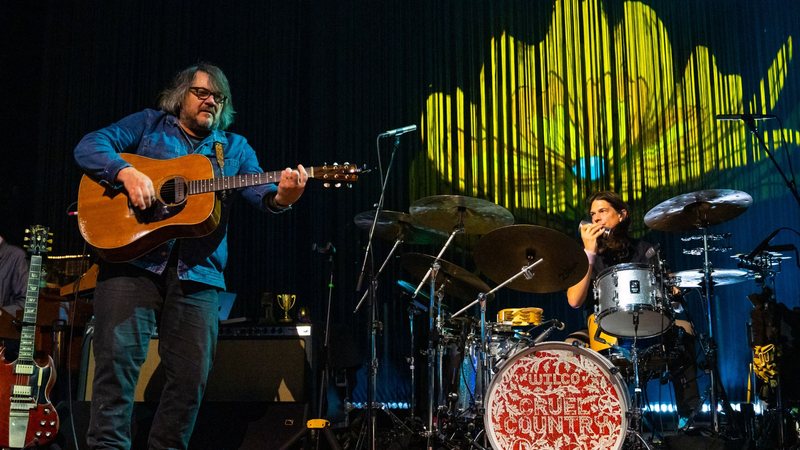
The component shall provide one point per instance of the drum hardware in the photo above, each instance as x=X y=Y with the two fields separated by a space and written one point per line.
x=635 y=426
x=526 y=271
x=453 y=214
x=767 y=318
x=711 y=237
x=698 y=211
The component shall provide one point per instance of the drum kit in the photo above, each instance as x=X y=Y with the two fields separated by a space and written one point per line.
x=500 y=383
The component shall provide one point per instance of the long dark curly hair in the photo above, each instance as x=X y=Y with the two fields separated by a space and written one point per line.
x=618 y=246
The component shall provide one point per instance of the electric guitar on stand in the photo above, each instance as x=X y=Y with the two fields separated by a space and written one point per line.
x=186 y=204
x=27 y=418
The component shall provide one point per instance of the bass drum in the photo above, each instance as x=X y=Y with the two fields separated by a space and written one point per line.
x=555 y=395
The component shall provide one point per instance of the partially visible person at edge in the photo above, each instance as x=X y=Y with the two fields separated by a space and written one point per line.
x=13 y=289
x=173 y=289
x=607 y=242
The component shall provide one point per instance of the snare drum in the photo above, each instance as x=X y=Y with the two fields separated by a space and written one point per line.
x=626 y=292
x=555 y=395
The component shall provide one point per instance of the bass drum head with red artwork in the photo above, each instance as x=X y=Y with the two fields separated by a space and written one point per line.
x=556 y=396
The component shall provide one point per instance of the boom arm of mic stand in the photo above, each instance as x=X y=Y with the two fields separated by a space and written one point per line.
x=385 y=261
x=525 y=270
x=751 y=125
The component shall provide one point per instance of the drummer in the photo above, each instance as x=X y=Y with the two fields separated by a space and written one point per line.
x=607 y=242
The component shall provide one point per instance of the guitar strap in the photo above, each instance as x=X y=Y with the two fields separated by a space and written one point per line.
x=218 y=150
x=220 y=155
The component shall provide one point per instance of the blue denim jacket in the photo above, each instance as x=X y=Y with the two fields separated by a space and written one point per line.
x=156 y=134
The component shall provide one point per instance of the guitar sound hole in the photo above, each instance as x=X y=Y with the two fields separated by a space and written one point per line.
x=173 y=191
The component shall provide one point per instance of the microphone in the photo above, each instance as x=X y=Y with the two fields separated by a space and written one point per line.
x=652 y=251
x=555 y=325
x=762 y=245
x=606 y=231
x=324 y=250
x=745 y=117
x=399 y=131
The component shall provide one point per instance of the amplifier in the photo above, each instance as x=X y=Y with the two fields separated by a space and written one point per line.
x=235 y=331
x=252 y=364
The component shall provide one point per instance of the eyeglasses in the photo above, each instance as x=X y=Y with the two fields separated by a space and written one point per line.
x=203 y=93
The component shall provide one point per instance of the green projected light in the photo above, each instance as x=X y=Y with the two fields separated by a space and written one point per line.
x=594 y=105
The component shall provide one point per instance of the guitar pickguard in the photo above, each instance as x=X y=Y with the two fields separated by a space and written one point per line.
x=170 y=201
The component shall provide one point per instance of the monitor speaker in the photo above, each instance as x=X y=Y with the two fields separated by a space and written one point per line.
x=219 y=426
x=255 y=369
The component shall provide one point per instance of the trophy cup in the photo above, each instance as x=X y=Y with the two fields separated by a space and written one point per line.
x=286 y=302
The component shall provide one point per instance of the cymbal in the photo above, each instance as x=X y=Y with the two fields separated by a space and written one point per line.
x=458 y=282
x=719 y=277
x=446 y=212
x=697 y=210
x=503 y=253
x=394 y=225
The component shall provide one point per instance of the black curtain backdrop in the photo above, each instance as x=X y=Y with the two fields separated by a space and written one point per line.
x=316 y=82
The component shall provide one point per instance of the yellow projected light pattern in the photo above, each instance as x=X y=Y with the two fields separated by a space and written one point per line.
x=607 y=107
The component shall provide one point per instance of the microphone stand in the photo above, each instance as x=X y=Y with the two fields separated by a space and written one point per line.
x=312 y=426
x=750 y=123
x=374 y=324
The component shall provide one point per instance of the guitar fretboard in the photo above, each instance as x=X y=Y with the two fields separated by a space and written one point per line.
x=234 y=182
x=28 y=334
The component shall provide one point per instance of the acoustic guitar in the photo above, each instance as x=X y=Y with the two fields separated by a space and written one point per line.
x=186 y=203
x=27 y=418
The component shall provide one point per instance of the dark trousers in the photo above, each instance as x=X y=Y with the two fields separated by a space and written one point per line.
x=130 y=304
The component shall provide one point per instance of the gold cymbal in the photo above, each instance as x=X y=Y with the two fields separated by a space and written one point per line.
x=458 y=282
x=699 y=209
x=393 y=225
x=447 y=212
x=503 y=253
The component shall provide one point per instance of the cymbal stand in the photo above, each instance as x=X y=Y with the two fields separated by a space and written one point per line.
x=709 y=345
x=434 y=324
x=483 y=374
x=635 y=427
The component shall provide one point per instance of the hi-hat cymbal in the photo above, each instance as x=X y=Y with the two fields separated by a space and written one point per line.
x=394 y=225
x=699 y=209
x=446 y=212
x=458 y=282
x=503 y=253
x=719 y=277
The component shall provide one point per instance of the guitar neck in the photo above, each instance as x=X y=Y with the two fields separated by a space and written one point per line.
x=232 y=182
x=28 y=333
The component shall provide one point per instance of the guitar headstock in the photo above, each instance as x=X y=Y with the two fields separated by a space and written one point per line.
x=335 y=174
x=38 y=239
